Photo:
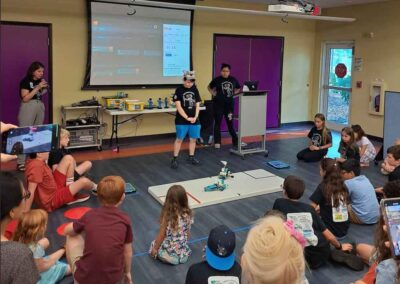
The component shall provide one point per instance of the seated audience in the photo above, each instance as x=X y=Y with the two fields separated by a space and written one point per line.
x=374 y=254
x=364 y=207
x=273 y=253
x=393 y=159
x=56 y=156
x=348 y=148
x=320 y=141
x=386 y=167
x=306 y=220
x=330 y=199
x=30 y=231
x=53 y=190
x=16 y=259
x=99 y=245
x=219 y=265
x=171 y=244
x=367 y=149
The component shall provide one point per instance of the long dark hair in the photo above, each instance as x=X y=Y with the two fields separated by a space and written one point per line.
x=349 y=131
x=176 y=205
x=360 y=132
x=10 y=193
x=32 y=68
x=334 y=188
x=324 y=128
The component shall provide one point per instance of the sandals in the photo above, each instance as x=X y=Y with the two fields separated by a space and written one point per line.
x=21 y=167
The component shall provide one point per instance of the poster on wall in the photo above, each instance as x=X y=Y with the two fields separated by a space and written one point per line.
x=358 y=63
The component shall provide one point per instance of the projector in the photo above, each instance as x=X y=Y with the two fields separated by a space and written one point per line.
x=282 y=8
x=295 y=7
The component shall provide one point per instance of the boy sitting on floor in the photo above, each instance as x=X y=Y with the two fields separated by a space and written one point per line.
x=364 y=207
x=56 y=156
x=52 y=190
x=99 y=245
x=318 y=251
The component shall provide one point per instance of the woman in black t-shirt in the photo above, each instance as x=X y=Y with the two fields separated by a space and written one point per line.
x=222 y=89
x=31 y=111
x=320 y=141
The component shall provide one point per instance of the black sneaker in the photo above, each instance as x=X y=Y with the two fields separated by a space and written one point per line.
x=352 y=261
x=174 y=163
x=193 y=160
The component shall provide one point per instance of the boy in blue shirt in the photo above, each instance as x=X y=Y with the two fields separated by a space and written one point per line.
x=364 y=207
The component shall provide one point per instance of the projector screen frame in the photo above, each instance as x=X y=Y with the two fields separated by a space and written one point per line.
x=86 y=82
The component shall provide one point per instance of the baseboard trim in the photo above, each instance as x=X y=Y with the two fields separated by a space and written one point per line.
x=297 y=123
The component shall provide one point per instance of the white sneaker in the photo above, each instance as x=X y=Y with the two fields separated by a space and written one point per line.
x=79 y=197
x=243 y=144
x=217 y=145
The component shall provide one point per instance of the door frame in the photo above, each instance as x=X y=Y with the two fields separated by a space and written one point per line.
x=325 y=62
x=49 y=68
x=215 y=35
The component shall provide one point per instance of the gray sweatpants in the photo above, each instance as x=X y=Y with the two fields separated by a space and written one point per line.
x=30 y=113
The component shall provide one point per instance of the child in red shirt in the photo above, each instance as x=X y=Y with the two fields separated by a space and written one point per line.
x=51 y=190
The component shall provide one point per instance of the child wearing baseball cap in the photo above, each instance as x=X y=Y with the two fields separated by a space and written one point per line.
x=219 y=265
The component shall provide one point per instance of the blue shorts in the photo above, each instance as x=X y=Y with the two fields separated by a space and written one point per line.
x=184 y=129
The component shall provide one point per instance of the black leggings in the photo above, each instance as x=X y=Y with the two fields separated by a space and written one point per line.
x=219 y=112
x=317 y=256
x=311 y=156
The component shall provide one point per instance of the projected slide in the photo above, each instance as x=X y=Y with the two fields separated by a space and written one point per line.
x=151 y=47
x=176 y=51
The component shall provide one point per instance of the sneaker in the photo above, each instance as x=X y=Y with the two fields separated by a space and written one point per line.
x=352 y=261
x=94 y=189
x=174 y=163
x=193 y=160
x=217 y=145
x=243 y=144
x=79 y=197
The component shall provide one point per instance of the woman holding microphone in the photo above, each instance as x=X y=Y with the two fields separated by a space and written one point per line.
x=31 y=111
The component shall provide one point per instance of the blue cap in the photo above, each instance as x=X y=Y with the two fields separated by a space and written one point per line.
x=220 y=249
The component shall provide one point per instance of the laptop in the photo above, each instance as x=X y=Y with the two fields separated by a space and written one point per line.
x=251 y=85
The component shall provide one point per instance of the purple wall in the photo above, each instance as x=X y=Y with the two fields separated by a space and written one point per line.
x=253 y=58
x=20 y=45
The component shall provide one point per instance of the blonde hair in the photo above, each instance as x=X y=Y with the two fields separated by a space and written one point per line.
x=31 y=226
x=64 y=133
x=271 y=254
x=110 y=190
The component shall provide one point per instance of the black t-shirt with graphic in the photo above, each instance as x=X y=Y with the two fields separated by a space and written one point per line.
x=202 y=273
x=339 y=229
x=225 y=89
x=188 y=98
x=349 y=152
x=29 y=84
x=287 y=206
x=316 y=137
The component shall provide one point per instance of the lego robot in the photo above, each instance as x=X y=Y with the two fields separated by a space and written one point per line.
x=220 y=184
